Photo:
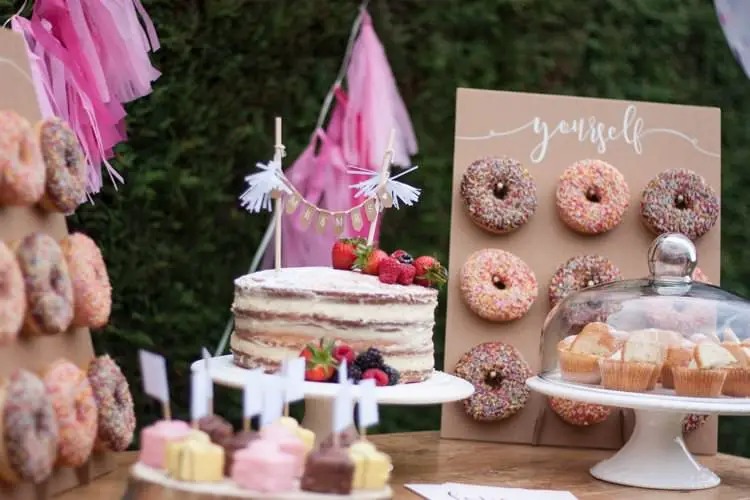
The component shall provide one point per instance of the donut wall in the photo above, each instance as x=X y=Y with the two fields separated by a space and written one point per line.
x=537 y=153
x=45 y=344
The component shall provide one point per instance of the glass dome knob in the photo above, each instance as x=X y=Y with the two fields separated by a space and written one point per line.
x=672 y=257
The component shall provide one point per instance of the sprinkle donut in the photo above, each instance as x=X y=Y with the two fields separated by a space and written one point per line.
x=70 y=393
x=700 y=276
x=499 y=194
x=692 y=423
x=12 y=296
x=679 y=201
x=581 y=272
x=578 y=413
x=49 y=291
x=116 y=418
x=65 y=166
x=30 y=430
x=497 y=285
x=592 y=196
x=498 y=373
x=92 y=291
x=22 y=172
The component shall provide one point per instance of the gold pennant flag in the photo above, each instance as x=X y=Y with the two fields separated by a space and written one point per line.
x=322 y=222
x=307 y=216
x=292 y=203
x=370 y=210
x=386 y=199
x=356 y=216
x=339 y=220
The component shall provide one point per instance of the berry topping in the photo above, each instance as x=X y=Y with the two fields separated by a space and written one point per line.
x=402 y=256
x=320 y=365
x=368 y=259
x=406 y=276
x=342 y=352
x=371 y=358
x=381 y=378
x=430 y=272
x=393 y=375
x=354 y=373
x=343 y=253
x=389 y=270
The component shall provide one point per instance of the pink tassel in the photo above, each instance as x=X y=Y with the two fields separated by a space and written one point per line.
x=375 y=106
x=123 y=47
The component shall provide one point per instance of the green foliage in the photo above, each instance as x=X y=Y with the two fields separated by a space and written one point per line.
x=174 y=236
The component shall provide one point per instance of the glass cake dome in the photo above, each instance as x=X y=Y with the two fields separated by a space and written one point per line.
x=607 y=335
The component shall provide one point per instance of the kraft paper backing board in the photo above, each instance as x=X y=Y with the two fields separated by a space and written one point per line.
x=545 y=242
x=35 y=353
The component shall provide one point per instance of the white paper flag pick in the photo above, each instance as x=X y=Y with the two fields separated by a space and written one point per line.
x=343 y=372
x=273 y=401
x=154 y=373
x=252 y=395
x=206 y=373
x=342 y=408
x=294 y=379
x=367 y=408
x=198 y=396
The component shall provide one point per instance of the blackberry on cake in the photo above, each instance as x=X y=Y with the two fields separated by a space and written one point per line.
x=403 y=257
x=393 y=375
x=354 y=373
x=371 y=358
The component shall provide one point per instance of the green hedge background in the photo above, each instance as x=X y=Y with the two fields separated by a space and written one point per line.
x=174 y=236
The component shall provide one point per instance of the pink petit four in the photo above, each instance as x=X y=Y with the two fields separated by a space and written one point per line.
x=288 y=442
x=155 y=438
x=263 y=467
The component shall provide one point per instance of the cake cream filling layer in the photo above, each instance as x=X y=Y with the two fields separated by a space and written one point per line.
x=258 y=303
x=253 y=348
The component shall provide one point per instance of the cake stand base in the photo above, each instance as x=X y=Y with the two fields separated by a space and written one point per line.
x=656 y=457
x=318 y=417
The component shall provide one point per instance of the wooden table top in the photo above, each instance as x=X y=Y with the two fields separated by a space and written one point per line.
x=424 y=458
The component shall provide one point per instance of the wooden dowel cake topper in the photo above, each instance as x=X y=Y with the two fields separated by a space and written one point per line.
x=155 y=382
x=379 y=191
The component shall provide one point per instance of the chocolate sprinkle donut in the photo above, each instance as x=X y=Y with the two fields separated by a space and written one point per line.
x=581 y=272
x=578 y=413
x=499 y=194
x=498 y=373
x=592 y=196
x=679 y=201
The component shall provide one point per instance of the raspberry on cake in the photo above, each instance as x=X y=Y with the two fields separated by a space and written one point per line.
x=278 y=313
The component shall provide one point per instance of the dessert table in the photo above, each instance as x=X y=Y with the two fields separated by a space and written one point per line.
x=422 y=457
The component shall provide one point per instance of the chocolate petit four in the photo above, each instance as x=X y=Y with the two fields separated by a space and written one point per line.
x=216 y=427
x=329 y=471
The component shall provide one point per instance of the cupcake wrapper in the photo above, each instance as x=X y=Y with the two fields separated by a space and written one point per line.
x=667 y=379
x=581 y=368
x=654 y=379
x=698 y=383
x=628 y=377
x=737 y=383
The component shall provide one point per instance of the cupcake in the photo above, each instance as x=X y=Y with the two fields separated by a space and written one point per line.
x=667 y=340
x=679 y=355
x=706 y=373
x=634 y=368
x=579 y=358
x=737 y=382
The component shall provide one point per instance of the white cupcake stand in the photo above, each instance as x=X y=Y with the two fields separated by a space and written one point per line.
x=439 y=388
x=655 y=456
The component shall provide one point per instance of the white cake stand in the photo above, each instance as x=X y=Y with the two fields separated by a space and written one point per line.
x=655 y=456
x=439 y=388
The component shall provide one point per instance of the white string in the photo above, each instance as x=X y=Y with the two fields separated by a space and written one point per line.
x=20 y=11
x=17 y=68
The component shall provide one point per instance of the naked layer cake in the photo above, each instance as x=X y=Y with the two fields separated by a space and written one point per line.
x=277 y=313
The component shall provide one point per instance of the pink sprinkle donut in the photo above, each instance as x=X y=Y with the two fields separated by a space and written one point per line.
x=12 y=296
x=49 y=291
x=65 y=165
x=499 y=194
x=578 y=413
x=92 y=292
x=497 y=285
x=581 y=272
x=114 y=402
x=29 y=429
x=75 y=408
x=22 y=172
x=692 y=423
x=592 y=197
x=679 y=201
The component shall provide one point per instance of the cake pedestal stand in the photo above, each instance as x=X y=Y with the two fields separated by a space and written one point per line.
x=439 y=388
x=655 y=456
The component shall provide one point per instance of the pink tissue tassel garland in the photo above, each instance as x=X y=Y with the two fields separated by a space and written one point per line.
x=90 y=56
x=357 y=135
